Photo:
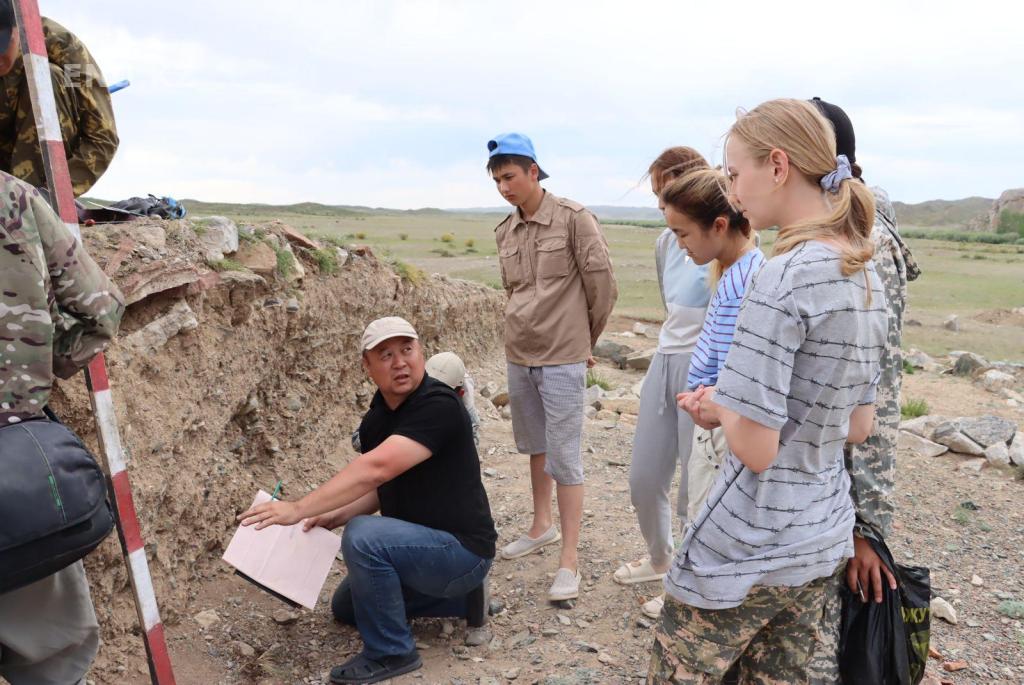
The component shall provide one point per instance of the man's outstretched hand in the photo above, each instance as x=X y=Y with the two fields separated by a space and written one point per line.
x=271 y=514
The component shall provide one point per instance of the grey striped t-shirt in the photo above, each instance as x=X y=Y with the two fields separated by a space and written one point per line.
x=805 y=354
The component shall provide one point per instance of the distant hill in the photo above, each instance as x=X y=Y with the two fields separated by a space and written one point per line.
x=960 y=214
x=957 y=214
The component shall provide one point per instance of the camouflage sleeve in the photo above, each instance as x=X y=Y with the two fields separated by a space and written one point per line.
x=872 y=464
x=97 y=132
x=87 y=306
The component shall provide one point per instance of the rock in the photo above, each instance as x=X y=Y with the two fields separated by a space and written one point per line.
x=918 y=359
x=491 y=473
x=1012 y=395
x=920 y=446
x=953 y=666
x=640 y=329
x=592 y=395
x=549 y=632
x=976 y=580
x=968 y=363
x=951 y=323
x=612 y=351
x=258 y=257
x=607 y=424
x=640 y=361
x=488 y=389
x=511 y=674
x=988 y=430
x=607 y=415
x=342 y=255
x=943 y=609
x=154 y=335
x=157 y=277
x=607 y=659
x=218 y=236
x=285 y=617
x=625 y=405
x=242 y=649
x=1016 y=451
x=207 y=618
x=923 y=426
x=589 y=412
x=477 y=637
x=500 y=398
x=994 y=380
x=292 y=305
x=495 y=607
x=998 y=454
x=972 y=465
x=506 y=413
x=1011 y=201
x=298 y=272
x=298 y=238
x=629 y=419
x=949 y=434
x=643 y=623
x=587 y=647
x=564 y=620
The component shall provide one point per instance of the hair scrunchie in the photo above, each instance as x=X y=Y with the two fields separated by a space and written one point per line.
x=831 y=181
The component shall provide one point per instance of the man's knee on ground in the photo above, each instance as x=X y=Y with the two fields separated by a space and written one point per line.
x=341 y=604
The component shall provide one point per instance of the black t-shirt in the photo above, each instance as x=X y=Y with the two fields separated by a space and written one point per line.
x=444 y=491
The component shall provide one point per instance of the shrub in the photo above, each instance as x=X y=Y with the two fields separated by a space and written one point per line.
x=448 y=238
x=403 y=236
x=1010 y=222
x=226 y=264
x=360 y=236
x=442 y=252
x=285 y=262
x=326 y=259
x=1011 y=608
x=408 y=272
x=913 y=408
x=963 y=236
x=594 y=378
x=470 y=242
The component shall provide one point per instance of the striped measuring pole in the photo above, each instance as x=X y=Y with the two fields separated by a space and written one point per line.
x=58 y=180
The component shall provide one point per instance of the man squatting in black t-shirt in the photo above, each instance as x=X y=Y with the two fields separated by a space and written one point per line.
x=433 y=543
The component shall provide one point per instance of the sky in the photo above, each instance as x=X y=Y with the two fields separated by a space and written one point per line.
x=391 y=104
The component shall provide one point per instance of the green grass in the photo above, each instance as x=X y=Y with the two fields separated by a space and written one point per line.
x=908 y=368
x=913 y=408
x=594 y=378
x=949 y=283
x=226 y=264
x=285 y=262
x=962 y=515
x=408 y=272
x=1011 y=222
x=327 y=260
x=1011 y=608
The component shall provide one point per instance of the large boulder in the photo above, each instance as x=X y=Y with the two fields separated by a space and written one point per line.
x=949 y=434
x=641 y=361
x=920 y=446
x=218 y=236
x=968 y=364
x=612 y=351
x=995 y=380
x=988 y=430
x=923 y=426
x=258 y=257
x=1011 y=201
x=997 y=454
x=1016 y=450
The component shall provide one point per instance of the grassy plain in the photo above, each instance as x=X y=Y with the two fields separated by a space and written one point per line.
x=978 y=282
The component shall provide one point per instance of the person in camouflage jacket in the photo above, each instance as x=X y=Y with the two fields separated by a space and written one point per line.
x=871 y=464
x=83 y=108
x=58 y=310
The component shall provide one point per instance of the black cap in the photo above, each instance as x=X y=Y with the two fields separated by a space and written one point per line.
x=6 y=23
x=846 y=142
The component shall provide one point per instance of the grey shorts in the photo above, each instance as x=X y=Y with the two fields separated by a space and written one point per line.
x=547 y=415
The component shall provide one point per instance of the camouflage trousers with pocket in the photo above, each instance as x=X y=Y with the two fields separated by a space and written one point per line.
x=771 y=636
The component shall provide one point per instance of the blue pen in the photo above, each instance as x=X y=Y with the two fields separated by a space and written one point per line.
x=120 y=85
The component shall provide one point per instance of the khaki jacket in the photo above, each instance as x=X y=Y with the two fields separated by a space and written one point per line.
x=558 y=276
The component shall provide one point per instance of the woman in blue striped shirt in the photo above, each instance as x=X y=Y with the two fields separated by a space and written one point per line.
x=698 y=211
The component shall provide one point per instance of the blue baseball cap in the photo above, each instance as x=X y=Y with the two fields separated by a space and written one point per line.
x=514 y=144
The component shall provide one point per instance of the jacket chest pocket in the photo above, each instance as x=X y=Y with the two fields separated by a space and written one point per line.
x=513 y=271
x=552 y=258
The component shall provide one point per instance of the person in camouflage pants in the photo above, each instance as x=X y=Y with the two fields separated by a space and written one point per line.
x=57 y=311
x=83 y=107
x=872 y=464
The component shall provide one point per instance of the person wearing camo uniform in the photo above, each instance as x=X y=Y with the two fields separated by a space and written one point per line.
x=83 y=107
x=872 y=464
x=58 y=310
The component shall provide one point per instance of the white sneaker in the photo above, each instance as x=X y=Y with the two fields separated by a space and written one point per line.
x=652 y=608
x=527 y=545
x=566 y=585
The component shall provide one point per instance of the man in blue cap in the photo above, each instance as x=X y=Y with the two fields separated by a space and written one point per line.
x=558 y=276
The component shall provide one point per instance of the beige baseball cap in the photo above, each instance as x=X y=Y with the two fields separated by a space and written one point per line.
x=383 y=329
x=447 y=368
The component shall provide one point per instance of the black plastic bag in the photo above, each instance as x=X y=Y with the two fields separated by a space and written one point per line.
x=887 y=643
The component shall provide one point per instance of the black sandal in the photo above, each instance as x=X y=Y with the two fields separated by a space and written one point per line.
x=361 y=670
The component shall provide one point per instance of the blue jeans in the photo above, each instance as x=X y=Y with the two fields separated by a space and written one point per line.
x=398 y=570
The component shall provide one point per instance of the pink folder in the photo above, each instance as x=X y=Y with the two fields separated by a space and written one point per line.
x=284 y=559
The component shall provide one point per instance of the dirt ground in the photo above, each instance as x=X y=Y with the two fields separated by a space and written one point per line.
x=605 y=638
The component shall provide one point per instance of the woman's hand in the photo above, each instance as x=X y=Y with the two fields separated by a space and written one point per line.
x=700 y=405
x=271 y=514
x=864 y=572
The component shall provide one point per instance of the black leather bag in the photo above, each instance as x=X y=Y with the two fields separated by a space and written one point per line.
x=53 y=501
